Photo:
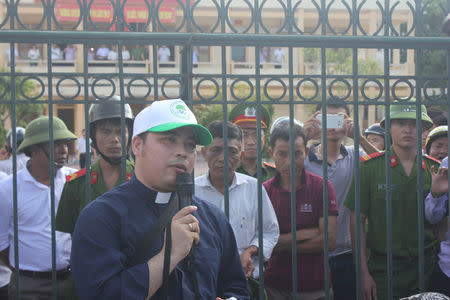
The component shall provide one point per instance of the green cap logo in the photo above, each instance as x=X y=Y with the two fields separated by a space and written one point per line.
x=179 y=110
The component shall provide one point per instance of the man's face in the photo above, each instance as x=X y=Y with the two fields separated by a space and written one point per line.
x=214 y=155
x=250 y=139
x=60 y=152
x=376 y=140
x=335 y=134
x=439 y=148
x=162 y=155
x=108 y=136
x=403 y=133
x=282 y=157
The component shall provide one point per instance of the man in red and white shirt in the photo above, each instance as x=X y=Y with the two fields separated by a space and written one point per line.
x=309 y=219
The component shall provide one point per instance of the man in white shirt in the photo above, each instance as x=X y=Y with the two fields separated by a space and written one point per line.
x=34 y=213
x=33 y=55
x=243 y=197
x=112 y=55
x=278 y=56
x=56 y=52
x=81 y=148
x=102 y=52
x=6 y=165
x=164 y=54
x=8 y=55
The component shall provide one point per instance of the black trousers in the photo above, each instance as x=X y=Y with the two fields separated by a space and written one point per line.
x=4 y=293
x=440 y=282
x=82 y=160
x=343 y=276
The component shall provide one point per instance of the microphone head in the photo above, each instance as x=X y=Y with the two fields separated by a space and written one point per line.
x=185 y=183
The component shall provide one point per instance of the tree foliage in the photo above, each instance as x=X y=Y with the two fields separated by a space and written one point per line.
x=433 y=61
x=25 y=112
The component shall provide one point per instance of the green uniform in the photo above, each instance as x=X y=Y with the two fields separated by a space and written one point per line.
x=404 y=223
x=73 y=197
x=73 y=200
x=267 y=170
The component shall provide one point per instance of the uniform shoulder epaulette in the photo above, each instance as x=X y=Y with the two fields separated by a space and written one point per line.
x=76 y=175
x=269 y=165
x=370 y=156
x=432 y=158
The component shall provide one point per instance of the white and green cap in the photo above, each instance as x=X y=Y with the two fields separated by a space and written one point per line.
x=166 y=115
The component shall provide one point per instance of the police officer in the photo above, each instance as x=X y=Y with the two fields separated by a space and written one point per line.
x=106 y=135
x=106 y=172
x=403 y=187
x=244 y=115
x=375 y=135
x=21 y=158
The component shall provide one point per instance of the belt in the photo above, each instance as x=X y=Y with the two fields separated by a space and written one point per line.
x=60 y=274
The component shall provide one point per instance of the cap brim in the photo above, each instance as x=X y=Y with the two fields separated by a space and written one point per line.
x=202 y=135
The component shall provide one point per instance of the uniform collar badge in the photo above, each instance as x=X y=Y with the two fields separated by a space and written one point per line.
x=250 y=112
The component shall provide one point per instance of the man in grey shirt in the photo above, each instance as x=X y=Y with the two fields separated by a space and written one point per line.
x=340 y=172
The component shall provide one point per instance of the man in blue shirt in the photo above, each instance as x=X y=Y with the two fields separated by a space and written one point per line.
x=111 y=229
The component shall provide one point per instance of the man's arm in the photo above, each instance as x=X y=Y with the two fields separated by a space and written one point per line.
x=271 y=231
x=68 y=209
x=246 y=260
x=365 y=144
x=99 y=263
x=315 y=245
x=301 y=235
x=182 y=240
x=5 y=222
x=369 y=288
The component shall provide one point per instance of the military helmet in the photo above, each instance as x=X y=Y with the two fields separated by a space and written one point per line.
x=407 y=110
x=282 y=120
x=375 y=129
x=20 y=133
x=108 y=110
x=435 y=134
x=246 y=113
x=111 y=109
x=37 y=132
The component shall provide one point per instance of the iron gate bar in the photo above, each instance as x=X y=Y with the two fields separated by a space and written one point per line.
x=220 y=39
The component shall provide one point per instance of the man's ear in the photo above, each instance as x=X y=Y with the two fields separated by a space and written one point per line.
x=136 y=145
x=306 y=151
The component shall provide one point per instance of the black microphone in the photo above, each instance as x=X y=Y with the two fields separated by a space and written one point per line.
x=185 y=189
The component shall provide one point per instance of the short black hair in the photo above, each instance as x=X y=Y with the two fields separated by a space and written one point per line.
x=282 y=132
x=438 y=116
x=331 y=102
x=216 y=129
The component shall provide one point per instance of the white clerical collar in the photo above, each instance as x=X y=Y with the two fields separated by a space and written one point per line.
x=162 y=198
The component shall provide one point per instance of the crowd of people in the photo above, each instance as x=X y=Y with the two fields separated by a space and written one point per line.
x=133 y=234
x=134 y=53
x=103 y=52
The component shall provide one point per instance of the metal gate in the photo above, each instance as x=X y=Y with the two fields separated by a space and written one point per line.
x=221 y=53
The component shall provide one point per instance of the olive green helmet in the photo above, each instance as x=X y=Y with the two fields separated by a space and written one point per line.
x=407 y=110
x=37 y=132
